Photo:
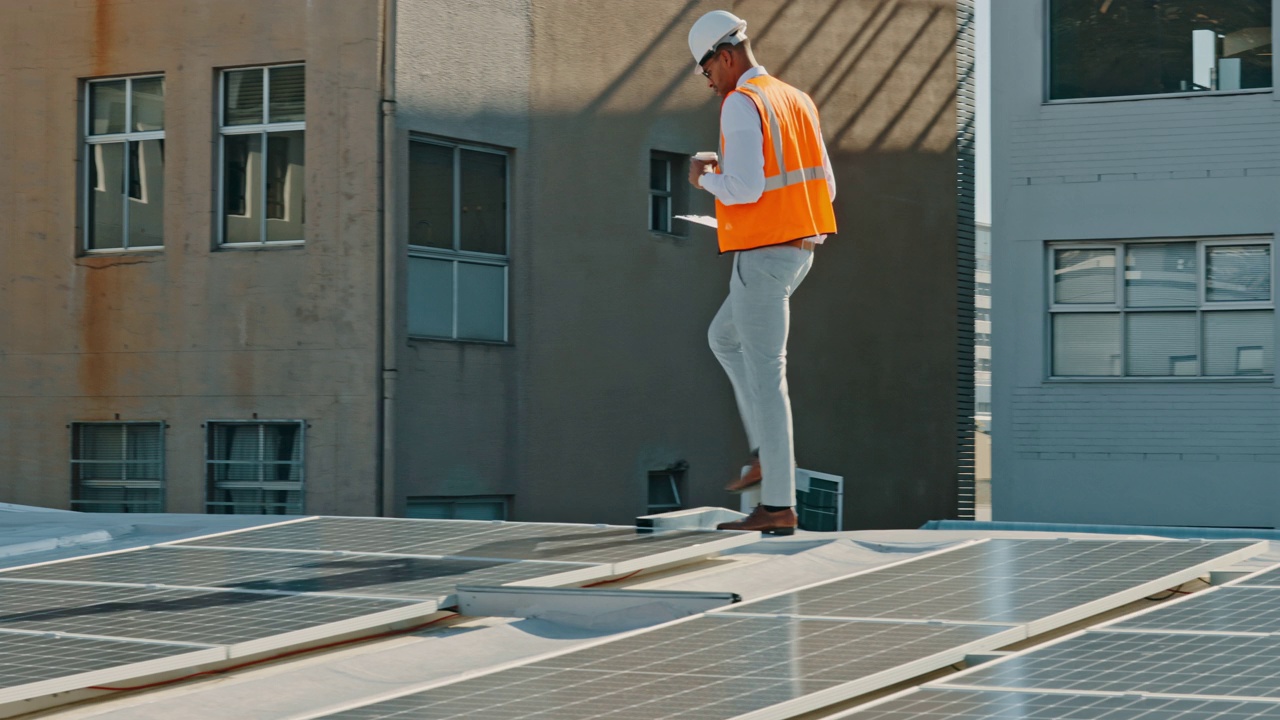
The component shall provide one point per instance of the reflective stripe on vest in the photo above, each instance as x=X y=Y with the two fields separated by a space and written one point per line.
x=773 y=182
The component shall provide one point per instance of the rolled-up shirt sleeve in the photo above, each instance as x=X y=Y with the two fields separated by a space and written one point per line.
x=741 y=176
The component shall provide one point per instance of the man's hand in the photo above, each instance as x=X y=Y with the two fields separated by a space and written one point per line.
x=697 y=168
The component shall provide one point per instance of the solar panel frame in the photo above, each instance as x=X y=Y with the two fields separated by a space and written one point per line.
x=68 y=651
x=110 y=612
x=319 y=573
x=910 y=587
x=930 y=703
x=1221 y=610
x=625 y=663
x=1101 y=662
x=497 y=540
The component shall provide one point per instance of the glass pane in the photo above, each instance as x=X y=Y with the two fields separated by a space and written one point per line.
x=1238 y=273
x=243 y=97
x=662 y=489
x=488 y=510
x=430 y=297
x=107 y=106
x=286 y=166
x=430 y=195
x=288 y=94
x=482 y=302
x=1084 y=276
x=1239 y=342
x=659 y=174
x=106 y=196
x=242 y=188
x=146 y=193
x=1161 y=275
x=484 y=202
x=424 y=510
x=1108 y=48
x=660 y=219
x=1086 y=344
x=148 y=104
x=1162 y=344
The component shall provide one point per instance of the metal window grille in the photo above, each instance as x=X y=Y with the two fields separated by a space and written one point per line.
x=255 y=468
x=117 y=467
x=459 y=241
x=472 y=507
x=123 y=159
x=819 y=501
x=261 y=156
x=966 y=164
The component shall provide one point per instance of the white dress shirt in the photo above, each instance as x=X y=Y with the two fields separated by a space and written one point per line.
x=741 y=176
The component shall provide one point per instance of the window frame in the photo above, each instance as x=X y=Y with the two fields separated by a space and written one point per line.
x=1118 y=306
x=677 y=477
x=453 y=501
x=668 y=193
x=456 y=255
x=209 y=462
x=93 y=143
x=262 y=129
x=1046 y=14
x=74 y=462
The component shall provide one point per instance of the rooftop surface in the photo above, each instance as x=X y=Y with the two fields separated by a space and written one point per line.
x=309 y=684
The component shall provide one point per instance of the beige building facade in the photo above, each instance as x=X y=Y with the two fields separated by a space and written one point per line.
x=417 y=258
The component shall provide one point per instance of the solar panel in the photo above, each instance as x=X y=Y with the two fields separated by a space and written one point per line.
x=1041 y=583
x=34 y=665
x=478 y=539
x=1229 y=609
x=706 y=668
x=347 y=574
x=1269 y=578
x=1237 y=666
x=249 y=619
x=935 y=704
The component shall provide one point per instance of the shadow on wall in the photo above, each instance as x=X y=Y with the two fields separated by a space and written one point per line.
x=882 y=72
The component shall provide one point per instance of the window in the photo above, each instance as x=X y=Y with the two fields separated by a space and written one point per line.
x=458 y=242
x=1181 y=308
x=117 y=467
x=1119 y=48
x=667 y=194
x=665 y=488
x=819 y=501
x=263 y=155
x=254 y=468
x=469 y=507
x=124 y=164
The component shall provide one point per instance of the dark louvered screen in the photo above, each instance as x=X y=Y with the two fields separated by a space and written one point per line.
x=966 y=115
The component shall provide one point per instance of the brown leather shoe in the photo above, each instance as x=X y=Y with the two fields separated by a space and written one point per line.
x=782 y=522
x=751 y=477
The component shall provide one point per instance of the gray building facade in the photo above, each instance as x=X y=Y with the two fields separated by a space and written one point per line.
x=417 y=258
x=1135 y=168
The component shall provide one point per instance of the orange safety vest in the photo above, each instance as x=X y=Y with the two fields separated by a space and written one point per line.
x=796 y=202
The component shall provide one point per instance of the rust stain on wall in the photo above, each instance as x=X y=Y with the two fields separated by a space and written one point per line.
x=103 y=40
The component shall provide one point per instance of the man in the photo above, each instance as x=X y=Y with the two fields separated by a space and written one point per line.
x=773 y=187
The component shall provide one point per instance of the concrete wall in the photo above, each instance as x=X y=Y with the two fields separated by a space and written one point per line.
x=607 y=375
x=188 y=333
x=1158 y=453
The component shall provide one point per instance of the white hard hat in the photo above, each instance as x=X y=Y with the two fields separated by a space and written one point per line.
x=712 y=30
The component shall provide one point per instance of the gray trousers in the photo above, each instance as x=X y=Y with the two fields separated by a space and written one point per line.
x=749 y=338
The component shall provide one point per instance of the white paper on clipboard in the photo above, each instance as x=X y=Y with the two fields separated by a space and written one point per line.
x=699 y=220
